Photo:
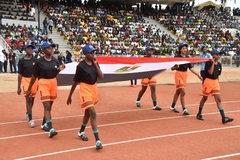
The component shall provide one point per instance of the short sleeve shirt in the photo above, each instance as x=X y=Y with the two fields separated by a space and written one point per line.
x=85 y=73
x=216 y=71
x=25 y=66
x=184 y=67
x=46 y=69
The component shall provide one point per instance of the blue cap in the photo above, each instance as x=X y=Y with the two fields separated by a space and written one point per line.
x=149 y=48
x=28 y=45
x=46 y=45
x=182 y=45
x=88 y=49
x=215 y=51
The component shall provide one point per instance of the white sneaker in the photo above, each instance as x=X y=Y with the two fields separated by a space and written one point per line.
x=31 y=124
x=138 y=104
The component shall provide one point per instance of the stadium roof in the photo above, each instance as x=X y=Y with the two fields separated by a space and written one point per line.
x=155 y=1
x=166 y=1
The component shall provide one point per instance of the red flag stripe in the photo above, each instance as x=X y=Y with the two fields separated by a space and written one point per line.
x=129 y=60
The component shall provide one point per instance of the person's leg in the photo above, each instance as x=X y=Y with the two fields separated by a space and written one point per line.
x=14 y=67
x=201 y=104
x=221 y=110
x=175 y=98
x=5 y=66
x=140 y=94
x=93 y=119
x=154 y=97
x=1 y=66
x=81 y=133
x=29 y=111
x=11 y=66
x=48 y=92
x=48 y=117
x=131 y=83
x=135 y=81
x=182 y=97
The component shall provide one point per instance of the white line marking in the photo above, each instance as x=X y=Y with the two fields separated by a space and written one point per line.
x=113 y=112
x=114 y=124
x=129 y=141
x=223 y=156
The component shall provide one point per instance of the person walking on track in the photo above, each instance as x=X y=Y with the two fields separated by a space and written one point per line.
x=211 y=86
x=181 y=79
x=148 y=81
x=46 y=69
x=86 y=75
x=25 y=72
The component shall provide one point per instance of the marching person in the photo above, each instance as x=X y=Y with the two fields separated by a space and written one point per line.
x=148 y=81
x=181 y=79
x=46 y=69
x=211 y=86
x=25 y=72
x=86 y=75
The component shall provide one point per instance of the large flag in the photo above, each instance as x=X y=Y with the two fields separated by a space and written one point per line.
x=125 y=68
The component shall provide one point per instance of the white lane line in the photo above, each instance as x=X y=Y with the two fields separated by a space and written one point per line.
x=114 y=124
x=130 y=141
x=223 y=156
x=113 y=112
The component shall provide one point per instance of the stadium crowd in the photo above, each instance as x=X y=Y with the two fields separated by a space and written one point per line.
x=116 y=29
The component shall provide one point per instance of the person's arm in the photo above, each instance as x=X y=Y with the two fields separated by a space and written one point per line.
x=76 y=79
x=69 y=100
x=194 y=72
x=61 y=67
x=33 y=79
x=99 y=72
x=19 y=77
x=176 y=66
x=19 y=84
x=210 y=70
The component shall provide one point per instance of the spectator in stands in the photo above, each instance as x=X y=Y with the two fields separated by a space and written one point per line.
x=202 y=67
x=56 y=53
x=1 y=61
x=133 y=81
x=45 y=26
x=32 y=11
x=68 y=57
x=5 y=63
x=50 y=24
x=61 y=58
x=12 y=61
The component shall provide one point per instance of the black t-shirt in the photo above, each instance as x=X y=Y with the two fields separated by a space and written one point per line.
x=216 y=71
x=85 y=73
x=25 y=66
x=46 y=69
x=184 y=67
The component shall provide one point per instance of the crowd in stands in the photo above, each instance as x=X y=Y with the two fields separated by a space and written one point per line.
x=198 y=28
x=17 y=11
x=116 y=29
x=112 y=28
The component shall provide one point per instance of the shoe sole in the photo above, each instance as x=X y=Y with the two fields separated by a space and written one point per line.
x=201 y=119
x=158 y=109
x=228 y=121
x=99 y=147
x=174 y=111
x=52 y=135
x=86 y=139
x=31 y=126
